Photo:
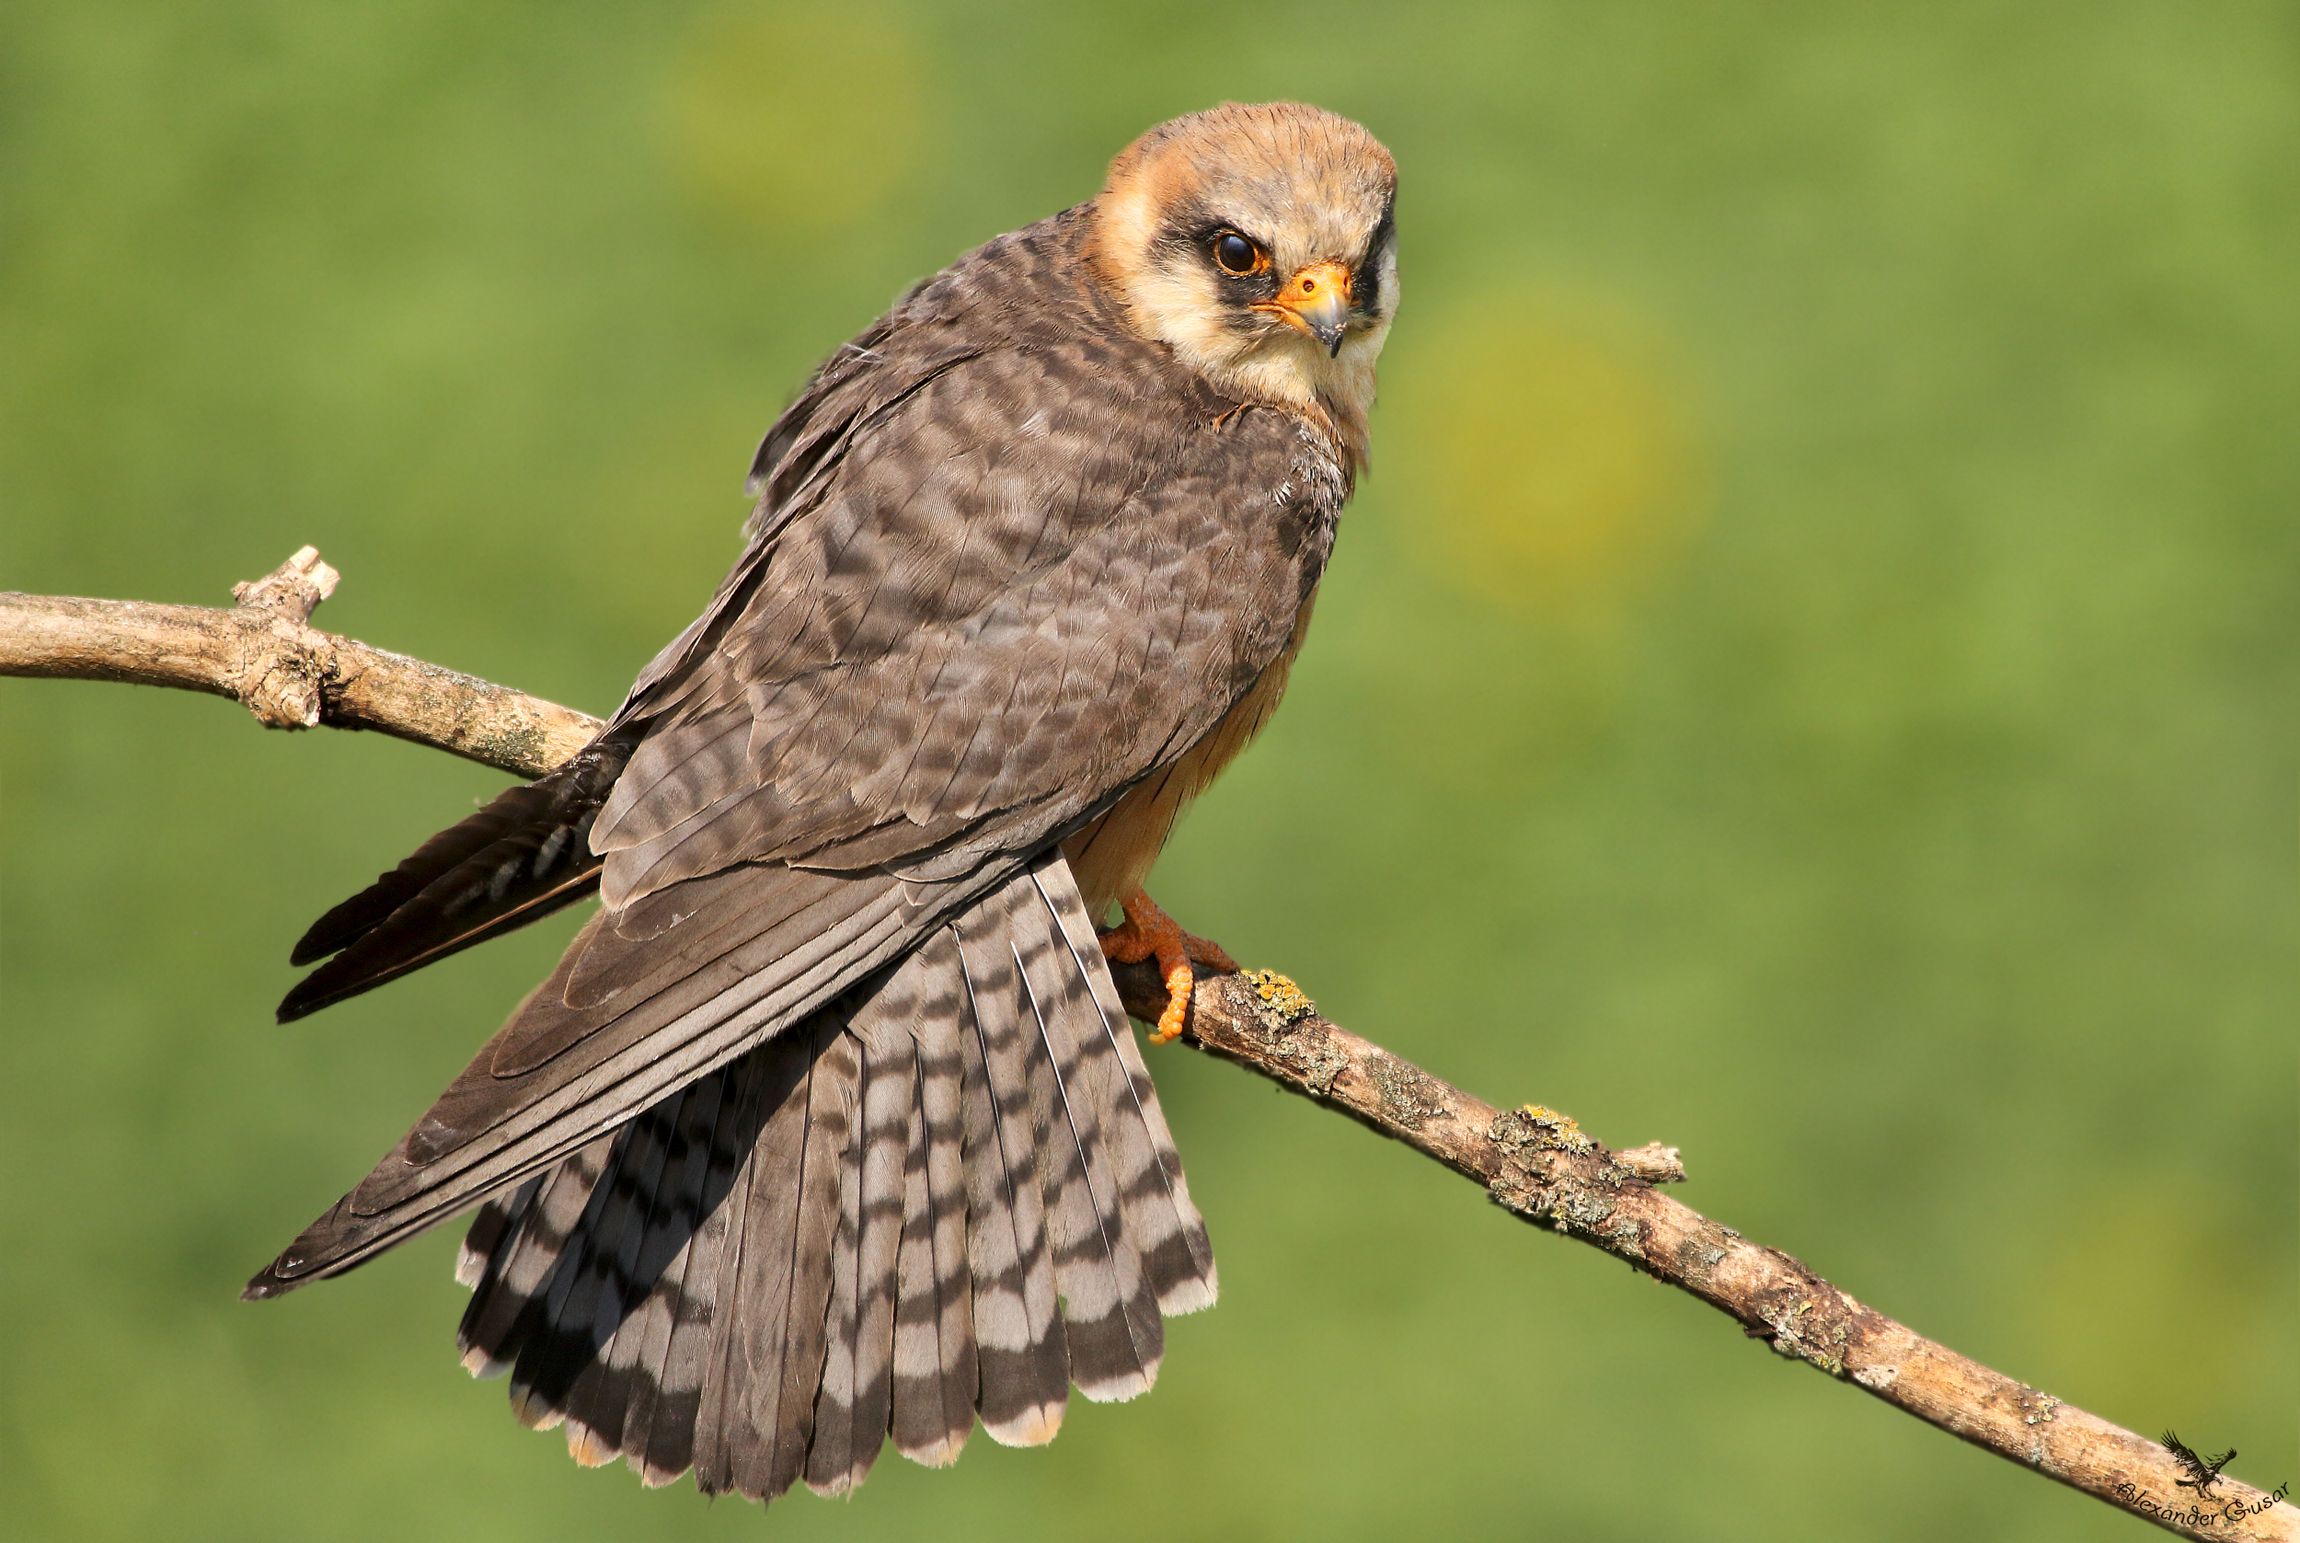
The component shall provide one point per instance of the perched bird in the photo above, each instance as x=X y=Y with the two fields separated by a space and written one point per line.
x=829 y=1127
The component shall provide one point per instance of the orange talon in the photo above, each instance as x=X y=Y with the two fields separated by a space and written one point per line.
x=1149 y=933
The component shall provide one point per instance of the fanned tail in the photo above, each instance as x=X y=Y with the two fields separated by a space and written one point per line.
x=950 y=1195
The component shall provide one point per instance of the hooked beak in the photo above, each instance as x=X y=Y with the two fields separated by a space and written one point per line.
x=1316 y=301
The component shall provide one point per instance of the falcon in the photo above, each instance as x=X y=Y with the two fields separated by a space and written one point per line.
x=829 y=1128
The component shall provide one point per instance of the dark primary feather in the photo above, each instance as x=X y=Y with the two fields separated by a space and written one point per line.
x=521 y=857
x=1009 y=562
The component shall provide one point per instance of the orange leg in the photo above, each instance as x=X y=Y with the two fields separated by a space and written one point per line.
x=1149 y=933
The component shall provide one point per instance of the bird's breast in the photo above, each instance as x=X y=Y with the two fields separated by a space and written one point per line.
x=1112 y=857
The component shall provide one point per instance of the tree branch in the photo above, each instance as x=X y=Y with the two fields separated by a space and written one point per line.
x=290 y=675
x=1533 y=1161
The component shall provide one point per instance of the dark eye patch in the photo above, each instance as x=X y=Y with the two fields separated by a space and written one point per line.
x=1366 y=281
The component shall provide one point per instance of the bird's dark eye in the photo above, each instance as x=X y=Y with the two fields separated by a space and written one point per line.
x=1236 y=255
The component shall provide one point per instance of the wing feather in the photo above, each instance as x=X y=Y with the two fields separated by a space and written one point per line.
x=558 y=1075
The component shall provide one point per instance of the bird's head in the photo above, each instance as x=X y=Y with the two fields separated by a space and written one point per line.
x=1259 y=242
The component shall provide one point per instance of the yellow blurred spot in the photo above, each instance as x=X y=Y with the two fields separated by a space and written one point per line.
x=796 y=118
x=1561 y=470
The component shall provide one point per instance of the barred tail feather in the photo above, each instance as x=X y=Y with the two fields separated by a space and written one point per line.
x=943 y=1199
x=1164 y=1223
x=854 y=1407
x=1018 y=1332
x=937 y=1375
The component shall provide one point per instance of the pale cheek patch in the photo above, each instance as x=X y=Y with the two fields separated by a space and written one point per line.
x=1178 y=307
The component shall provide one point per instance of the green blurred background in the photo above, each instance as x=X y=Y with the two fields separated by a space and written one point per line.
x=1811 y=678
